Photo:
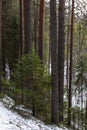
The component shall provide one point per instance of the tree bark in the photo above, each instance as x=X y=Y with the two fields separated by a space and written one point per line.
x=86 y=113
x=41 y=28
x=27 y=26
x=61 y=45
x=70 y=71
x=68 y=41
x=54 y=69
x=21 y=28
x=0 y=44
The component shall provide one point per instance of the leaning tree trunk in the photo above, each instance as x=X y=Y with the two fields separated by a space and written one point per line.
x=54 y=73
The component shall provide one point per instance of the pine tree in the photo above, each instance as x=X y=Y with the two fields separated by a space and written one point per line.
x=21 y=28
x=70 y=71
x=41 y=28
x=61 y=44
x=54 y=73
x=0 y=44
x=27 y=26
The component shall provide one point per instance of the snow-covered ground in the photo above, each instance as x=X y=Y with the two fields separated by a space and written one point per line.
x=10 y=120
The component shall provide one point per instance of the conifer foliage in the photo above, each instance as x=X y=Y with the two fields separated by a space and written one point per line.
x=43 y=60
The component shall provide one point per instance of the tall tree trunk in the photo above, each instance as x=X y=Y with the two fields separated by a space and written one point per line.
x=21 y=44
x=70 y=71
x=3 y=50
x=0 y=44
x=36 y=26
x=54 y=73
x=27 y=6
x=21 y=28
x=41 y=28
x=61 y=44
x=68 y=41
x=27 y=26
x=86 y=113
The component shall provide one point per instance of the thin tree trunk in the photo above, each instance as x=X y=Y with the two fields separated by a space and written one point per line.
x=86 y=113
x=70 y=71
x=41 y=28
x=49 y=55
x=68 y=36
x=82 y=106
x=21 y=44
x=21 y=28
x=36 y=26
x=0 y=44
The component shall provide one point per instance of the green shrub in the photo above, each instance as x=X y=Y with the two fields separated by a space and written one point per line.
x=30 y=70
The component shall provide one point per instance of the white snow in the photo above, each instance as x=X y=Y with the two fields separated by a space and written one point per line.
x=10 y=120
x=8 y=102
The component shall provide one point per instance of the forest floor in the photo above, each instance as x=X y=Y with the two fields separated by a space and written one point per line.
x=11 y=120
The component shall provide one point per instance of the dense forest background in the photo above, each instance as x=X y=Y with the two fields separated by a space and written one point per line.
x=43 y=58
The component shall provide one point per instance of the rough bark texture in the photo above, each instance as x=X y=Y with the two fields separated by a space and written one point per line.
x=0 y=44
x=27 y=26
x=41 y=28
x=53 y=39
x=68 y=41
x=70 y=71
x=27 y=32
x=21 y=28
x=61 y=44
x=36 y=26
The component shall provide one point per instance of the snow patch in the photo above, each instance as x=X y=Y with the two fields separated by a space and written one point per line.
x=8 y=102
x=11 y=120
